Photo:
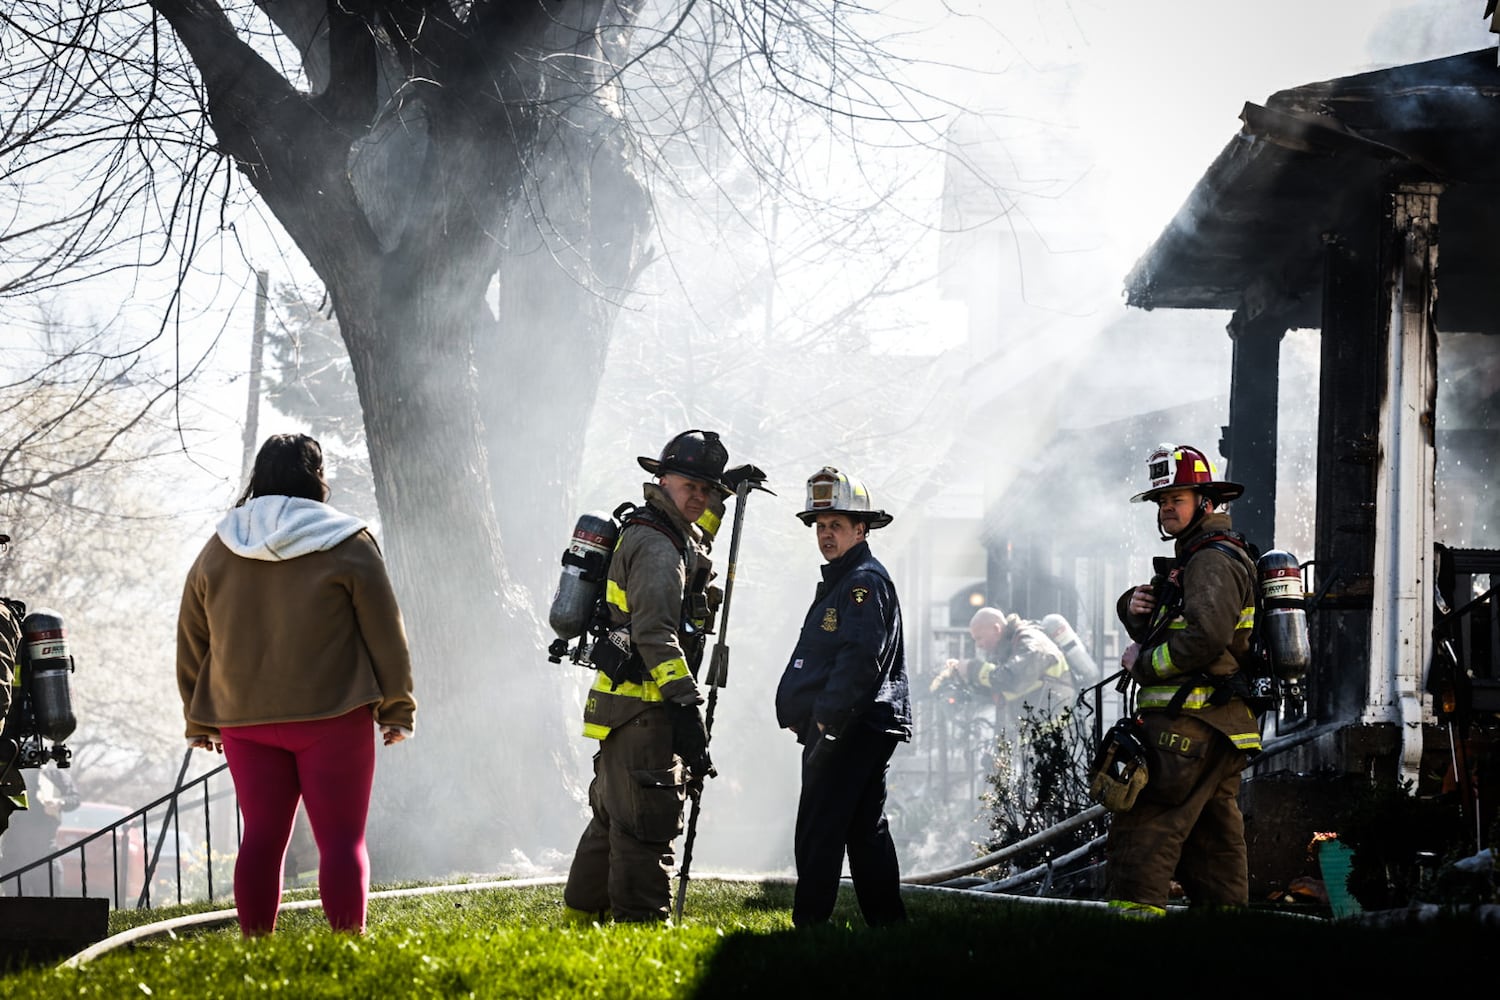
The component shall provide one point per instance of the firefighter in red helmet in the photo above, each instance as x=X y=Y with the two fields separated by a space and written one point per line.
x=1191 y=626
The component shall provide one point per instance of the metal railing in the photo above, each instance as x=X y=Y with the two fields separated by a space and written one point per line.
x=177 y=849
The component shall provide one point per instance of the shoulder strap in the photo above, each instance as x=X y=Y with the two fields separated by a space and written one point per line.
x=1232 y=544
x=629 y=513
x=1226 y=541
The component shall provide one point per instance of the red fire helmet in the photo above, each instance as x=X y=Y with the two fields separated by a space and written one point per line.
x=1181 y=466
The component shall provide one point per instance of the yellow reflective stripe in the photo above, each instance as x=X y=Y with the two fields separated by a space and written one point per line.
x=710 y=521
x=1133 y=909
x=1161 y=661
x=1246 y=741
x=1160 y=697
x=604 y=688
x=1247 y=618
x=614 y=596
x=667 y=671
x=985 y=670
x=628 y=689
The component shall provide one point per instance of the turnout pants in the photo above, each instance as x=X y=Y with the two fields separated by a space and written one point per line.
x=1191 y=828
x=842 y=807
x=624 y=860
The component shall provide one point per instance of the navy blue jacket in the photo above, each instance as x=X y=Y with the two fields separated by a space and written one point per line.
x=850 y=662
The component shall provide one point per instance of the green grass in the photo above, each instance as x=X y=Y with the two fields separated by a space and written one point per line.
x=736 y=940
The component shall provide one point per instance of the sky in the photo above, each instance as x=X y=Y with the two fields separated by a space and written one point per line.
x=1109 y=110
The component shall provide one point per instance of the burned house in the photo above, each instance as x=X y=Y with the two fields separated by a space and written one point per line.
x=1354 y=219
x=1366 y=208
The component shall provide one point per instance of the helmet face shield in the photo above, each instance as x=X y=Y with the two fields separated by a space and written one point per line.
x=820 y=493
x=1158 y=467
x=830 y=491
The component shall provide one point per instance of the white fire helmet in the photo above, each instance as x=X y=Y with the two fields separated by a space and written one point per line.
x=829 y=491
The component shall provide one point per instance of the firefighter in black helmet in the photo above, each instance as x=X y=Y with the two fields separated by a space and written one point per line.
x=1190 y=626
x=844 y=695
x=643 y=706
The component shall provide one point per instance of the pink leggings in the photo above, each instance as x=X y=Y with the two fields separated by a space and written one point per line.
x=329 y=764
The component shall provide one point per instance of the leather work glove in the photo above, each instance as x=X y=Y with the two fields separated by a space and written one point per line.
x=952 y=673
x=690 y=741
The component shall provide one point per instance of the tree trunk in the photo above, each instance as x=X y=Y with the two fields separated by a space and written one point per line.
x=573 y=257
x=405 y=209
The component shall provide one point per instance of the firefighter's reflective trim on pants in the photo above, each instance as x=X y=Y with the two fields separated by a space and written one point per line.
x=1132 y=909
x=605 y=689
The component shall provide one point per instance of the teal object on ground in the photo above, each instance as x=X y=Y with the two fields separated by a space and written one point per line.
x=1334 y=860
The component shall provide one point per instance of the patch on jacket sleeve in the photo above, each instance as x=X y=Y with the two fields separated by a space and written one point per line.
x=831 y=620
x=860 y=595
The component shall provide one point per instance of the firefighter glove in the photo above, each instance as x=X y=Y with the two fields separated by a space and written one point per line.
x=682 y=691
x=952 y=673
x=690 y=740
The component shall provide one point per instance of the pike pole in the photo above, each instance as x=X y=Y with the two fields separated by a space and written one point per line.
x=718 y=669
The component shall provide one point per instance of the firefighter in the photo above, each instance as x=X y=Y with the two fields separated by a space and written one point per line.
x=1189 y=625
x=643 y=706
x=12 y=784
x=1017 y=662
x=844 y=696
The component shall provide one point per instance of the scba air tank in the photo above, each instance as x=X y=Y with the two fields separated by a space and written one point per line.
x=584 y=565
x=47 y=664
x=1079 y=661
x=1283 y=602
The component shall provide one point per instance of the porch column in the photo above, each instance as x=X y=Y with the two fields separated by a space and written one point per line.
x=1405 y=570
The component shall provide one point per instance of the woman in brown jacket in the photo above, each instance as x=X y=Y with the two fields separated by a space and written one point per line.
x=290 y=652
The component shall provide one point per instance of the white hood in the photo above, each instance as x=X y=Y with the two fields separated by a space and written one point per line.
x=275 y=528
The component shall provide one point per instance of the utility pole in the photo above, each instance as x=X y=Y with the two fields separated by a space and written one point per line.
x=252 y=403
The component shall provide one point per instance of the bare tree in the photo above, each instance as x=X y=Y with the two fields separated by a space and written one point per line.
x=98 y=540
x=468 y=182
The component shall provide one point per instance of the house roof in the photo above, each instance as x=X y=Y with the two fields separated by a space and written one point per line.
x=1314 y=161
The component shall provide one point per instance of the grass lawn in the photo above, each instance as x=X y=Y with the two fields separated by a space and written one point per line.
x=736 y=940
